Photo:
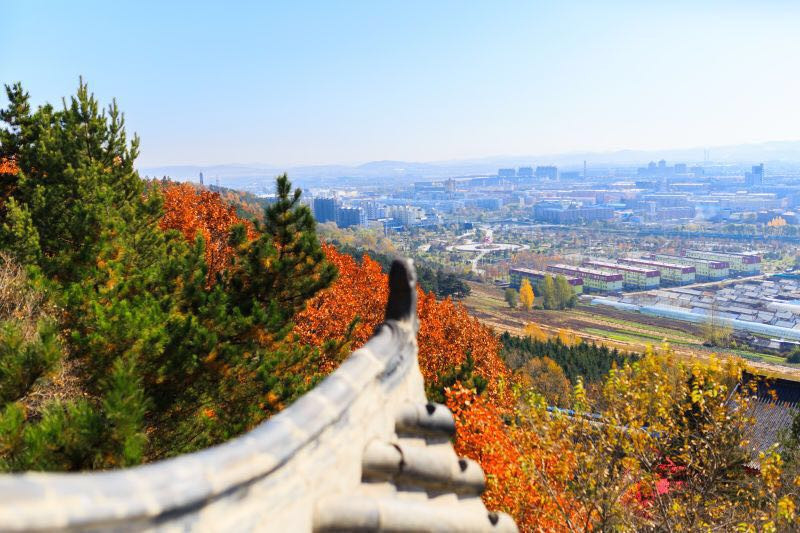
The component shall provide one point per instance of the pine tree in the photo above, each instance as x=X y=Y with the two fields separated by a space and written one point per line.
x=168 y=364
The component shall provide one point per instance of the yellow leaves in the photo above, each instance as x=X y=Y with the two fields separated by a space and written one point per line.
x=211 y=356
x=771 y=468
x=526 y=296
x=777 y=222
x=579 y=400
x=786 y=508
x=568 y=338
x=535 y=332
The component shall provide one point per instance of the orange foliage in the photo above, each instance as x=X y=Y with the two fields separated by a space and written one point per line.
x=512 y=459
x=8 y=166
x=359 y=292
x=446 y=334
x=8 y=179
x=191 y=210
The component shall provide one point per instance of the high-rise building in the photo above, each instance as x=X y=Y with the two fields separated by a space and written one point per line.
x=506 y=173
x=755 y=178
x=525 y=172
x=549 y=173
x=325 y=209
x=350 y=216
x=201 y=178
x=406 y=215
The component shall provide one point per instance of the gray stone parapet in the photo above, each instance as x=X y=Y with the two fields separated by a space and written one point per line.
x=362 y=451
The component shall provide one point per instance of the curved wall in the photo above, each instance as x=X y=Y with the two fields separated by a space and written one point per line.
x=321 y=464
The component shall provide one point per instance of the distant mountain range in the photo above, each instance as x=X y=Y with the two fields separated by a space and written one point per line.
x=784 y=153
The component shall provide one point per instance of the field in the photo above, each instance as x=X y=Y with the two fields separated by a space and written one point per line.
x=622 y=329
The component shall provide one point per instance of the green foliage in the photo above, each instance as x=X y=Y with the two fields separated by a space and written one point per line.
x=22 y=363
x=166 y=364
x=555 y=293
x=548 y=293
x=565 y=296
x=591 y=362
x=512 y=298
x=463 y=374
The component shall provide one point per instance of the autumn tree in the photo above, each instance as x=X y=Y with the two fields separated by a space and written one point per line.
x=548 y=379
x=535 y=331
x=664 y=448
x=526 y=294
x=165 y=363
x=193 y=212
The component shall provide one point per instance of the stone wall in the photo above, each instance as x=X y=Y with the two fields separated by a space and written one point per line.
x=362 y=451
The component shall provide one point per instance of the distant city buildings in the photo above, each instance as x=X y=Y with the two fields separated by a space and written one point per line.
x=329 y=210
x=406 y=215
x=754 y=178
x=325 y=209
x=547 y=173
x=557 y=213
x=657 y=194
x=347 y=217
x=506 y=173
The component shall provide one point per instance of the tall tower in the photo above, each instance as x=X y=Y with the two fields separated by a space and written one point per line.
x=201 y=179
x=584 y=170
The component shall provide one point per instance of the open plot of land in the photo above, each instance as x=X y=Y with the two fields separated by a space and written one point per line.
x=621 y=329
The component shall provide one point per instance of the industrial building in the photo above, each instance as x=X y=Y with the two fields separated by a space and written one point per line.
x=671 y=274
x=593 y=280
x=535 y=276
x=740 y=264
x=705 y=269
x=633 y=277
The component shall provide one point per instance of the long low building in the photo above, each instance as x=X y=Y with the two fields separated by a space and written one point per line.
x=535 y=276
x=633 y=277
x=671 y=274
x=740 y=264
x=705 y=269
x=593 y=279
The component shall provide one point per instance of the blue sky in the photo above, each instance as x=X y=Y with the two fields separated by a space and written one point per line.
x=347 y=82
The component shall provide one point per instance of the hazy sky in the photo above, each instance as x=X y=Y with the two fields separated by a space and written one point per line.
x=344 y=82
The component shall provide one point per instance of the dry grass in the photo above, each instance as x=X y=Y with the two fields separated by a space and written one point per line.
x=25 y=307
x=19 y=302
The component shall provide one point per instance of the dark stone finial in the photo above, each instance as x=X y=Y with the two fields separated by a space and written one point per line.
x=402 y=304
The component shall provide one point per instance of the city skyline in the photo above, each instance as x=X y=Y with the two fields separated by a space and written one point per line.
x=316 y=83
